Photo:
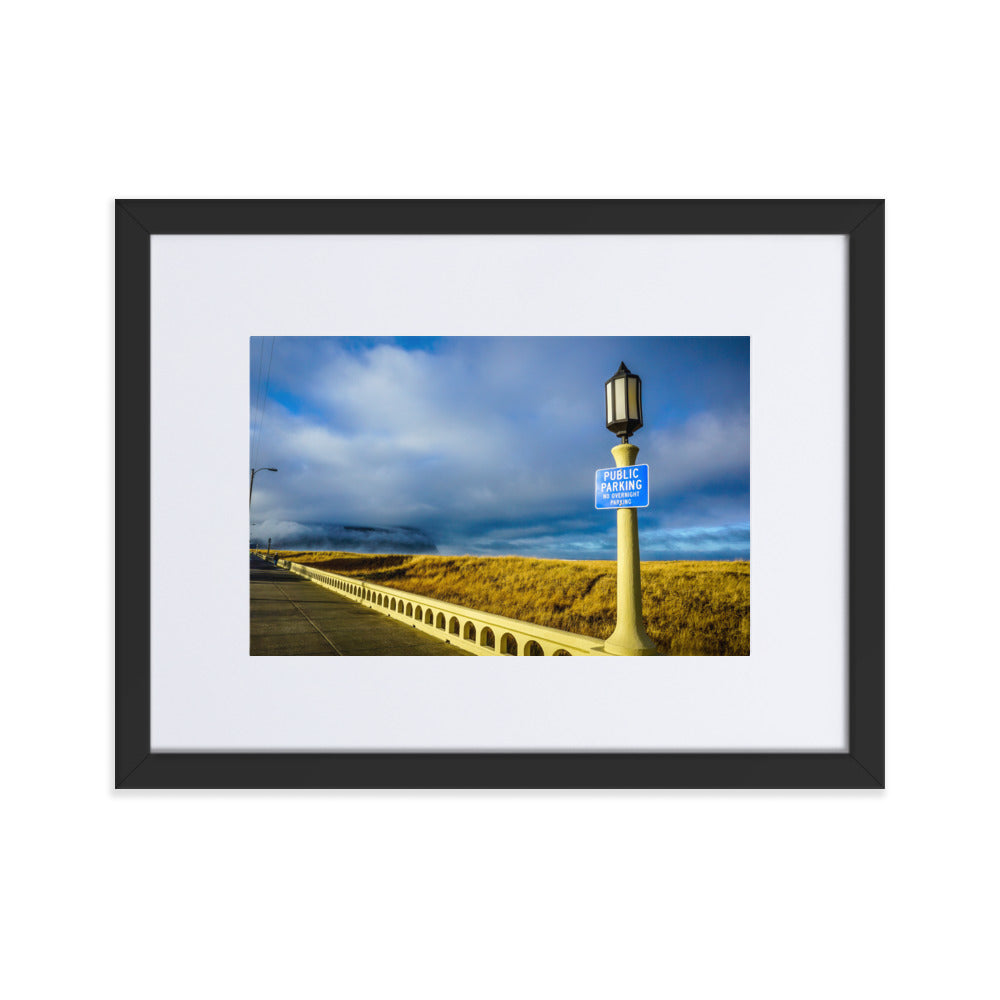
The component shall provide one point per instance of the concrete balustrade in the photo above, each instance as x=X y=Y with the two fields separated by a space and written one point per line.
x=475 y=631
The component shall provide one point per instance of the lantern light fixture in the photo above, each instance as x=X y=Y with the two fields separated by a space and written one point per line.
x=623 y=400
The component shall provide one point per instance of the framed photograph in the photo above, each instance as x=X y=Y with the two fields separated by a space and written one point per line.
x=542 y=494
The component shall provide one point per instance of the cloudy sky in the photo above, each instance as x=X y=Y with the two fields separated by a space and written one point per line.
x=488 y=445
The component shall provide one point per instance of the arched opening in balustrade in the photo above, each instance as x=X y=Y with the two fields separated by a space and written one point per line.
x=561 y=652
x=428 y=617
x=469 y=632
x=440 y=623
x=533 y=649
x=486 y=638
x=508 y=645
x=409 y=610
x=453 y=626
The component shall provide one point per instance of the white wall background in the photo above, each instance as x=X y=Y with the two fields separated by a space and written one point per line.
x=704 y=894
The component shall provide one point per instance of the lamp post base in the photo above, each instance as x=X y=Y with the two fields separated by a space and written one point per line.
x=633 y=645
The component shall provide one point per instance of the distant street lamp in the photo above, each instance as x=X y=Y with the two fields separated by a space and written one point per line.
x=623 y=401
x=253 y=472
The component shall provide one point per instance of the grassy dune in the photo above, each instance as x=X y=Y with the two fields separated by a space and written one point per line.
x=690 y=608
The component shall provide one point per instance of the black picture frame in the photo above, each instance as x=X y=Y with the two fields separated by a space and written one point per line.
x=861 y=766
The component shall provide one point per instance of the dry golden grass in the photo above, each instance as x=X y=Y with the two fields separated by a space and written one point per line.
x=690 y=608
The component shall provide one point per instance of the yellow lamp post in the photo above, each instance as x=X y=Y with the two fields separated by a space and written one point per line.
x=623 y=401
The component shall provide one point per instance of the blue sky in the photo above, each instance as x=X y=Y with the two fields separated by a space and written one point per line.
x=488 y=445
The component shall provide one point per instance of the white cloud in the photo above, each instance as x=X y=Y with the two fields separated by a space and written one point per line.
x=708 y=447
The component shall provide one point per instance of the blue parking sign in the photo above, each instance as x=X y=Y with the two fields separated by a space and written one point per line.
x=624 y=486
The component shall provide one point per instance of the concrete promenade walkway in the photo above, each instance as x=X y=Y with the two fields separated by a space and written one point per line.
x=291 y=616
